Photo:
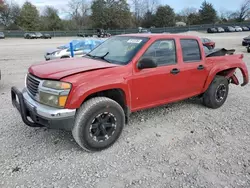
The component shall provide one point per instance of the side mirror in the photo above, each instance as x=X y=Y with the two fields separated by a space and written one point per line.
x=146 y=63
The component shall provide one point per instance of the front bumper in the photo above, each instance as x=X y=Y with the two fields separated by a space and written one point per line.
x=245 y=43
x=39 y=114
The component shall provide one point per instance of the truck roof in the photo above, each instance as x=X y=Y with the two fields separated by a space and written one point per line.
x=160 y=35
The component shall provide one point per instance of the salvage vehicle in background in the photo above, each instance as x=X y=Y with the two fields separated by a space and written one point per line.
x=143 y=30
x=93 y=96
x=80 y=34
x=46 y=36
x=208 y=43
x=220 y=30
x=245 y=28
x=38 y=35
x=2 y=36
x=212 y=30
x=80 y=47
x=229 y=29
x=101 y=33
x=30 y=36
x=246 y=41
x=238 y=28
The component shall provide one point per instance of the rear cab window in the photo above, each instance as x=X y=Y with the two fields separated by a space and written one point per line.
x=190 y=50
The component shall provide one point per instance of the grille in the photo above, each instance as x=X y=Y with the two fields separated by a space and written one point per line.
x=32 y=84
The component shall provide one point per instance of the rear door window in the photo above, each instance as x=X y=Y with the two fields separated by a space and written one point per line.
x=190 y=50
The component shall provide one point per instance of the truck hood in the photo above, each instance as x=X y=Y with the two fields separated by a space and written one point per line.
x=58 y=69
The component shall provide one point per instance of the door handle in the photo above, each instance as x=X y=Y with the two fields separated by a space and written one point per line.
x=175 y=71
x=200 y=67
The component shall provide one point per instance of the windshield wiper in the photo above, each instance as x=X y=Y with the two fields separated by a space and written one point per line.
x=100 y=57
x=89 y=55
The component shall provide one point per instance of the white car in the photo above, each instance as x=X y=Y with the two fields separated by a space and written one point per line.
x=80 y=47
x=238 y=28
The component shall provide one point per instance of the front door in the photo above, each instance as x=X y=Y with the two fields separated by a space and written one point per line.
x=155 y=86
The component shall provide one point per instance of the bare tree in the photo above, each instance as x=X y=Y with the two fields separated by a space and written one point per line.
x=79 y=11
x=141 y=7
x=186 y=12
x=9 y=13
x=239 y=15
x=152 y=5
x=244 y=11
x=226 y=15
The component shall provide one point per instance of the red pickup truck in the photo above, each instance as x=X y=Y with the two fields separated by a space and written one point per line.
x=93 y=96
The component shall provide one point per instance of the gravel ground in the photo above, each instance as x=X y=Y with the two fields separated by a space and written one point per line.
x=178 y=145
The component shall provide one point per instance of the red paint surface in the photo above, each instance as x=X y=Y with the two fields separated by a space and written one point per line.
x=211 y=44
x=142 y=88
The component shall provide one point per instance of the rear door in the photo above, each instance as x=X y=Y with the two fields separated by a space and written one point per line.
x=193 y=66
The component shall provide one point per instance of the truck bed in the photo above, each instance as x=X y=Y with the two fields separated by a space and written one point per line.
x=219 y=52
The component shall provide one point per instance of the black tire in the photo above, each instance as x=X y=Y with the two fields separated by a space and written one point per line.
x=217 y=93
x=63 y=57
x=248 y=50
x=86 y=118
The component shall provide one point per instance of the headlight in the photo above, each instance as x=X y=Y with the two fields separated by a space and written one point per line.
x=56 y=85
x=58 y=101
x=56 y=98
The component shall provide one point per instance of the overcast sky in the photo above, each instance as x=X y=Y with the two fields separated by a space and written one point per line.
x=176 y=4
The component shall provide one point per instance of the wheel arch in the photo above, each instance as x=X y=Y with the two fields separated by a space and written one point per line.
x=116 y=93
x=228 y=73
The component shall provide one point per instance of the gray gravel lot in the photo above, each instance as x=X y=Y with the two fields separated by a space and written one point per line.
x=178 y=145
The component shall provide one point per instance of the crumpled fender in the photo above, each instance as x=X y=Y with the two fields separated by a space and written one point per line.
x=228 y=72
x=83 y=91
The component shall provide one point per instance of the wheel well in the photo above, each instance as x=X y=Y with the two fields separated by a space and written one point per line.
x=229 y=74
x=64 y=57
x=117 y=95
x=226 y=72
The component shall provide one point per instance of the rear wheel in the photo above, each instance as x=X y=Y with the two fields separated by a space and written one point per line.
x=99 y=124
x=217 y=93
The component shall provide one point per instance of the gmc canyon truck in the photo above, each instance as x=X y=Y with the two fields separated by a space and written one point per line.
x=94 y=96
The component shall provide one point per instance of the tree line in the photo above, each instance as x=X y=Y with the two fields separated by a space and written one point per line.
x=113 y=14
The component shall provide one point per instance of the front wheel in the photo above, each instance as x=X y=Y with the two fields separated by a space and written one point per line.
x=99 y=123
x=217 y=93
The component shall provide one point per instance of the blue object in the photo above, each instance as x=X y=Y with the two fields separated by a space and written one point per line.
x=86 y=45
x=71 y=49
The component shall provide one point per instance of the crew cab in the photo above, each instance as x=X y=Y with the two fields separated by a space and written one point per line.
x=93 y=96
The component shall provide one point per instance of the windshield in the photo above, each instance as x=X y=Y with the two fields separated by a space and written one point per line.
x=119 y=49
